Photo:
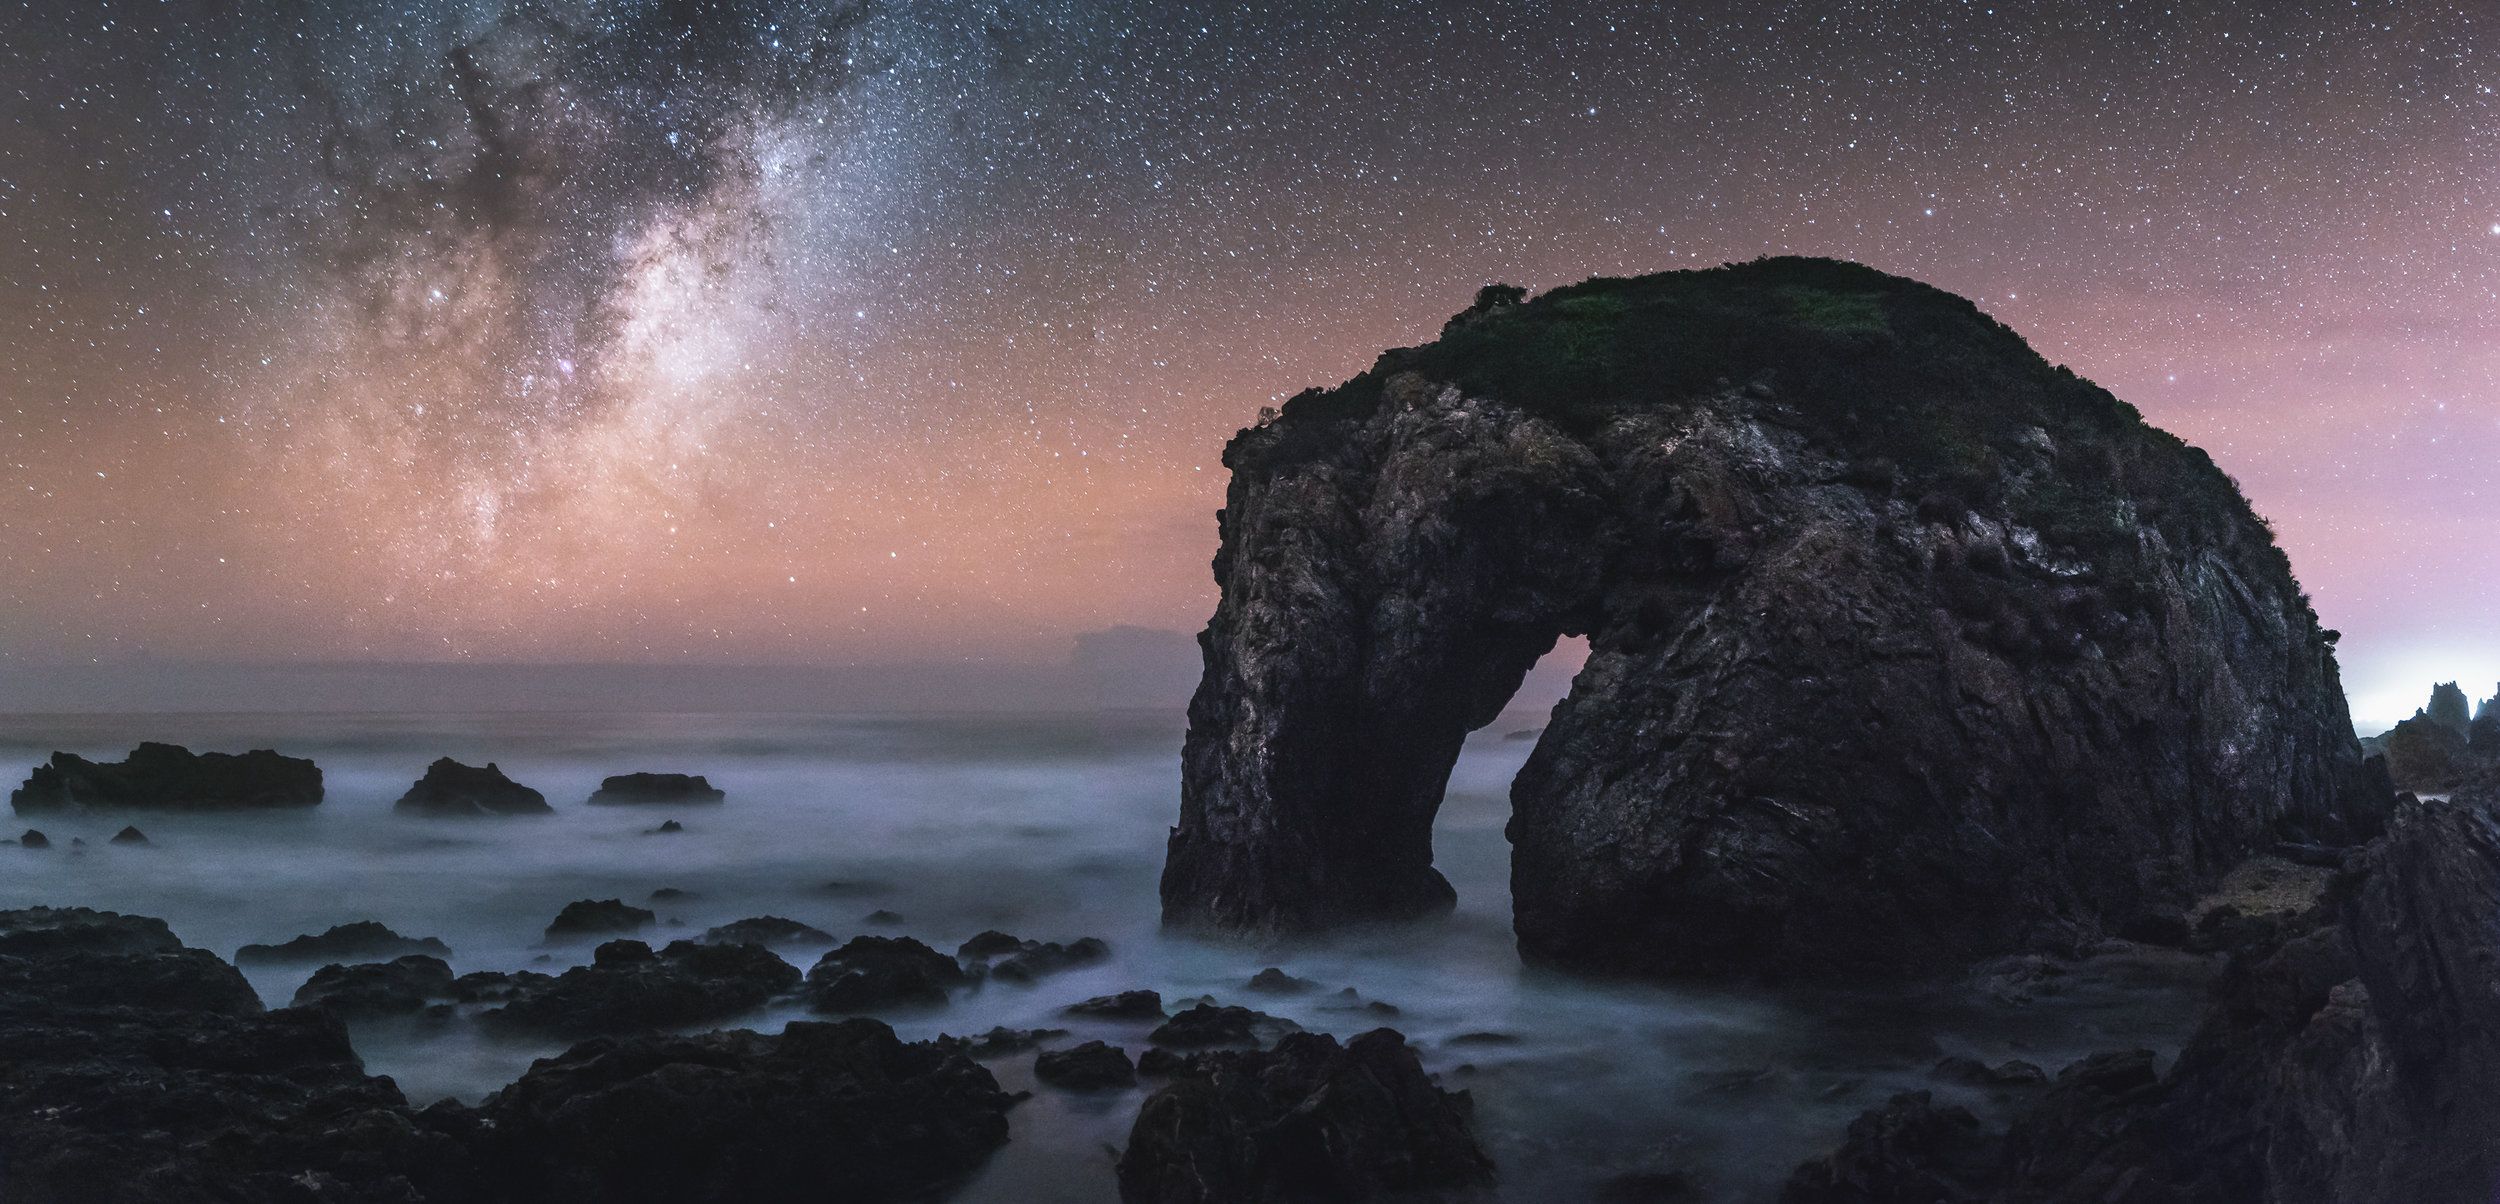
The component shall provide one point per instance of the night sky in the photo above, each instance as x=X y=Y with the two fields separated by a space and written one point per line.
x=774 y=332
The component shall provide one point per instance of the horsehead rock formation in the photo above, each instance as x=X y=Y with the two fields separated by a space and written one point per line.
x=1905 y=646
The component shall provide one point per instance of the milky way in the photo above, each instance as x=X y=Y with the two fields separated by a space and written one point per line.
x=753 y=331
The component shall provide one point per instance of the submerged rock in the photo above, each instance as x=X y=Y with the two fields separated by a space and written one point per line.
x=766 y=930
x=599 y=917
x=874 y=973
x=629 y=988
x=1092 y=1066
x=822 y=1111
x=450 y=788
x=1911 y=650
x=169 y=777
x=372 y=989
x=634 y=788
x=362 y=941
x=1309 y=1120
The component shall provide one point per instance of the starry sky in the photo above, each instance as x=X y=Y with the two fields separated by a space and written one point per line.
x=753 y=331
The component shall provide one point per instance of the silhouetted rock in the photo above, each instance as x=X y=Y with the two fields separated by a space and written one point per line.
x=882 y=918
x=821 y=1111
x=1907 y=1151
x=378 y=988
x=1019 y=961
x=169 y=777
x=129 y=835
x=1092 y=1066
x=450 y=788
x=1309 y=1120
x=989 y=945
x=1272 y=981
x=770 y=931
x=873 y=973
x=139 y=1070
x=1208 y=1025
x=362 y=941
x=1912 y=649
x=654 y=788
x=666 y=827
x=2430 y=753
x=34 y=840
x=598 y=917
x=629 y=988
x=670 y=893
x=1127 y=1005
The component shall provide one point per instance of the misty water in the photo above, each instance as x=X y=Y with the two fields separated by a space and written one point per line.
x=1047 y=827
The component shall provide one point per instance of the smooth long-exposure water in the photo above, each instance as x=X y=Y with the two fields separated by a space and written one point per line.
x=1047 y=827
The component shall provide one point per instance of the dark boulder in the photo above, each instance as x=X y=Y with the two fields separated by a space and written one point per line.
x=1127 y=1005
x=1092 y=1066
x=450 y=788
x=497 y=986
x=1019 y=961
x=1272 y=981
x=1909 y=1151
x=768 y=931
x=634 y=788
x=1912 y=649
x=1001 y=1041
x=34 y=840
x=628 y=988
x=362 y=941
x=874 y=973
x=820 y=1112
x=1208 y=1025
x=1309 y=1120
x=667 y=827
x=142 y=1072
x=370 y=989
x=169 y=777
x=129 y=835
x=585 y=918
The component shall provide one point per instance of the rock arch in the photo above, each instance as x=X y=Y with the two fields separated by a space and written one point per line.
x=1906 y=647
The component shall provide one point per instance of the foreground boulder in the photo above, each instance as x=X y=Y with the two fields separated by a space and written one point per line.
x=169 y=777
x=632 y=788
x=629 y=988
x=362 y=941
x=450 y=788
x=821 y=1112
x=1906 y=647
x=140 y=1071
x=1308 y=1120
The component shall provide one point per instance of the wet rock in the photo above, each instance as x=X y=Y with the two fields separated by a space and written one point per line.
x=637 y=788
x=1127 y=1005
x=1907 y=1151
x=1809 y=738
x=873 y=973
x=1092 y=1066
x=1207 y=1025
x=842 y=1108
x=169 y=777
x=362 y=941
x=130 y=835
x=140 y=1070
x=450 y=788
x=1975 y=1073
x=1272 y=981
x=770 y=931
x=1309 y=1120
x=374 y=989
x=598 y=917
x=629 y=988
x=34 y=840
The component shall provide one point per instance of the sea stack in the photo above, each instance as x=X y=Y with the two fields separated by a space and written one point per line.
x=1906 y=646
x=451 y=788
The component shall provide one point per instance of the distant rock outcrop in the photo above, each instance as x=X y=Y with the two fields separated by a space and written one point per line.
x=1906 y=647
x=599 y=917
x=632 y=788
x=2439 y=747
x=169 y=777
x=362 y=941
x=450 y=788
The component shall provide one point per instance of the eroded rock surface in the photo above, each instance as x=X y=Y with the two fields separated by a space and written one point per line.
x=169 y=777
x=1906 y=647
